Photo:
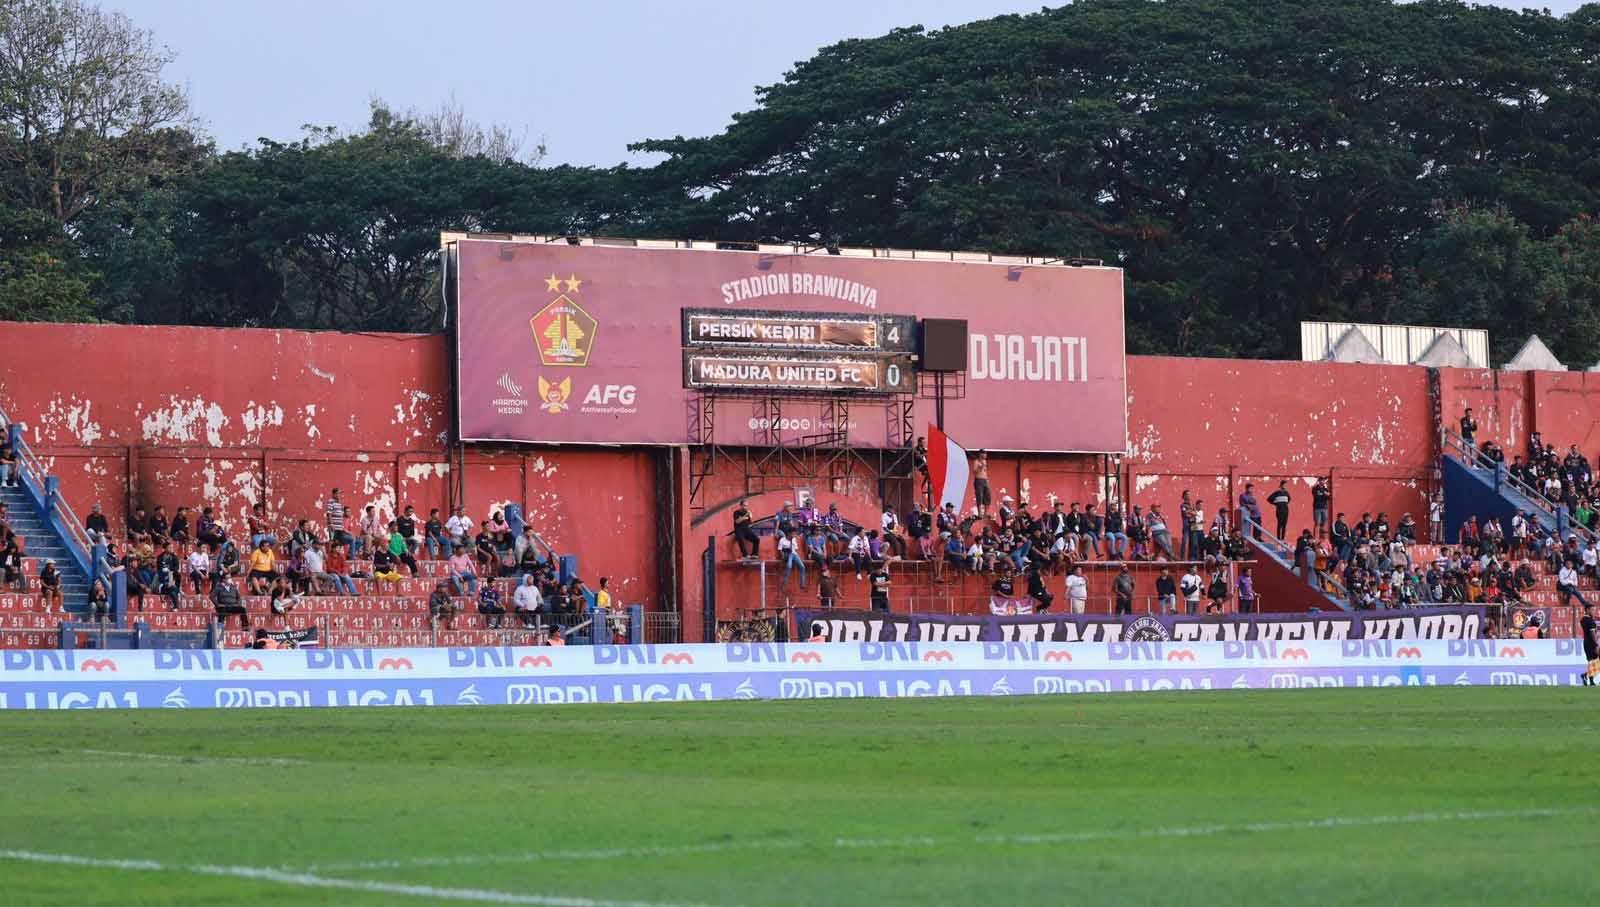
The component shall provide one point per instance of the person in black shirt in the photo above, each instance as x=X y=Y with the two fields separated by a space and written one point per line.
x=96 y=522
x=1591 y=646
x=743 y=535
x=179 y=533
x=1167 y=591
x=406 y=525
x=138 y=524
x=1037 y=590
x=1469 y=427
x=158 y=525
x=1321 y=502
x=879 y=578
x=167 y=575
x=1279 y=499
x=9 y=473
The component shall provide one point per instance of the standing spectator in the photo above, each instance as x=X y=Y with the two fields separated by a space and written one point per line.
x=1077 y=589
x=1251 y=508
x=1247 y=591
x=1469 y=428
x=1123 y=587
x=1167 y=591
x=1321 y=502
x=433 y=535
x=1037 y=591
x=1194 y=532
x=441 y=606
x=99 y=602
x=919 y=462
x=1436 y=519
x=199 y=569
x=260 y=529
x=9 y=473
x=919 y=524
x=96 y=523
x=489 y=606
x=527 y=601
x=1190 y=586
x=602 y=595
x=50 y=586
x=336 y=516
x=880 y=587
x=1218 y=591
x=225 y=599
x=743 y=535
x=463 y=576
x=827 y=589
x=980 y=483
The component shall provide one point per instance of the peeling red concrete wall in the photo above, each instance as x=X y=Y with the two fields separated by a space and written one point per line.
x=189 y=415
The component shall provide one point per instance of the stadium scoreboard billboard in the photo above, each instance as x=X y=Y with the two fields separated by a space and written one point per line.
x=605 y=344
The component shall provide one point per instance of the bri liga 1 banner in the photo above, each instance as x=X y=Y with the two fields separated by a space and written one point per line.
x=874 y=626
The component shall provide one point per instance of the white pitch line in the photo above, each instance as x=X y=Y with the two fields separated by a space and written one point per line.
x=1194 y=831
x=308 y=880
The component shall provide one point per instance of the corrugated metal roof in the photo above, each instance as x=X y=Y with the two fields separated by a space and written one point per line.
x=1398 y=344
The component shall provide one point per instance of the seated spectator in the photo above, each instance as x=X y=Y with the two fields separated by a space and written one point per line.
x=315 y=563
x=159 y=526
x=137 y=588
x=487 y=551
x=527 y=553
x=489 y=606
x=263 y=567
x=208 y=531
x=169 y=575
x=463 y=575
x=385 y=566
x=180 y=533
x=860 y=555
x=225 y=599
x=283 y=597
x=374 y=531
x=50 y=586
x=433 y=535
x=400 y=547
x=406 y=525
x=441 y=607
x=227 y=559
x=459 y=528
x=99 y=602
x=138 y=525
x=501 y=531
x=890 y=522
x=11 y=563
x=528 y=601
x=337 y=572
x=199 y=569
x=96 y=525
x=301 y=538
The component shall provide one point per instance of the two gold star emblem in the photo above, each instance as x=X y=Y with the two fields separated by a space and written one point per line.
x=553 y=283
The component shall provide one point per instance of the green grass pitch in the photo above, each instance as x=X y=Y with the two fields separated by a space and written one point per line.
x=1394 y=796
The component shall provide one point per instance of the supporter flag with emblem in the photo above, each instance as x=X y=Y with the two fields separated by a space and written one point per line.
x=947 y=469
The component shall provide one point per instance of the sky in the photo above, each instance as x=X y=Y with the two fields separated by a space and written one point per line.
x=585 y=77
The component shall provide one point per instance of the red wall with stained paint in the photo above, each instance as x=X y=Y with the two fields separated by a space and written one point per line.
x=185 y=415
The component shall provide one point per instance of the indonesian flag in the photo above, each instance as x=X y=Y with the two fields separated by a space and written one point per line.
x=947 y=468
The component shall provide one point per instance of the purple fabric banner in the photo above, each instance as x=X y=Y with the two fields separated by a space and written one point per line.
x=870 y=626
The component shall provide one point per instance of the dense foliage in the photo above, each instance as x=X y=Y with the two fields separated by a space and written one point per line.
x=1251 y=163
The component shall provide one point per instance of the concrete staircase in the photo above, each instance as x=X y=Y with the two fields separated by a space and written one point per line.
x=42 y=543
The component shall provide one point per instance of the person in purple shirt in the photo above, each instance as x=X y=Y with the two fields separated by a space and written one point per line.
x=1247 y=592
x=875 y=547
x=1251 y=508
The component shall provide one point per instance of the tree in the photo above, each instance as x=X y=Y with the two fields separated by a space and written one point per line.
x=83 y=109
x=38 y=279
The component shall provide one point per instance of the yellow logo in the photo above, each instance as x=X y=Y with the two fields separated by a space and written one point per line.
x=563 y=331
x=553 y=394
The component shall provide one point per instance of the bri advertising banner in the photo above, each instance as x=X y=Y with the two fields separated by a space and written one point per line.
x=303 y=678
x=1000 y=626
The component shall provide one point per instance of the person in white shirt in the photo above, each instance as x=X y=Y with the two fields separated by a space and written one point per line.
x=527 y=601
x=316 y=569
x=1589 y=559
x=1077 y=590
x=199 y=568
x=460 y=528
x=789 y=557
x=860 y=552
x=891 y=535
x=1567 y=585
x=1190 y=586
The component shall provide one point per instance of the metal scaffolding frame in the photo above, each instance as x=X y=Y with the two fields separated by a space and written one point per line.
x=778 y=461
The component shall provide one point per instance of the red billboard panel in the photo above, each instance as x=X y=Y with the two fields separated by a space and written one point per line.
x=585 y=344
